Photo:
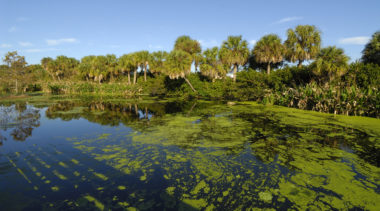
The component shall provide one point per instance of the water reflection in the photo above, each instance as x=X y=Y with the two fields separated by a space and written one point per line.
x=20 y=119
x=193 y=155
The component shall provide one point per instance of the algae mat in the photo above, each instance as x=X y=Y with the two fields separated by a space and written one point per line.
x=99 y=154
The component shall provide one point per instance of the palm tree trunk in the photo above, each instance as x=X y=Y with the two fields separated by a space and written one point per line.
x=145 y=73
x=235 y=71
x=299 y=65
x=268 y=68
x=134 y=76
x=111 y=77
x=129 y=78
x=191 y=86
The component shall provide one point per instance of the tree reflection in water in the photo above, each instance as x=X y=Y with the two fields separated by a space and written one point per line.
x=20 y=119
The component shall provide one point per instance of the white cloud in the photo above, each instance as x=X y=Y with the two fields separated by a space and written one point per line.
x=4 y=45
x=354 y=40
x=288 y=19
x=12 y=29
x=61 y=41
x=208 y=43
x=25 y=44
x=38 y=50
x=252 y=42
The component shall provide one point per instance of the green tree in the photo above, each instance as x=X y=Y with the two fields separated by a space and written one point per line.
x=269 y=50
x=136 y=61
x=303 y=44
x=144 y=58
x=99 y=68
x=331 y=62
x=45 y=63
x=234 y=53
x=112 y=66
x=126 y=65
x=85 y=67
x=211 y=66
x=192 y=47
x=17 y=64
x=371 y=52
x=177 y=66
x=157 y=62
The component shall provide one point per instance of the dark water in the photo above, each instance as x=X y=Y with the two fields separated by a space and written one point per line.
x=88 y=154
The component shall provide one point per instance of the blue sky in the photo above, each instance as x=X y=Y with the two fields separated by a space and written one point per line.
x=37 y=29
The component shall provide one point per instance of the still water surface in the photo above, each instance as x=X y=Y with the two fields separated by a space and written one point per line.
x=61 y=153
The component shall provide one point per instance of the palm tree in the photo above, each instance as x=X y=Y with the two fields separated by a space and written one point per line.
x=269 y=50
x=211 y=66
x=99 y=68
x=144 y=61
x=302 y=44
x=192 y=47
x=45 y=63
x=136 y=62
x=86 y=66
x=177 y=66
x=157 y=62
x=234 y=53
x=112 y=66
x=126 y=65
x=330 y=63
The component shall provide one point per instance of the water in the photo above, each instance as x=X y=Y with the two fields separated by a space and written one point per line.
x=60 y=153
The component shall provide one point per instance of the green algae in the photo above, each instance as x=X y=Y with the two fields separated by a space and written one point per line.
x=121 y=187
x=219 y=157
x=265 y=196
x=195 y=203
x=101 y=176
x=55 y=188
x=96 y=202
x=59 y=175
x=63 y=164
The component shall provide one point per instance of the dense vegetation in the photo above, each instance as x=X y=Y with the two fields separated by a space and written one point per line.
x=321 y=79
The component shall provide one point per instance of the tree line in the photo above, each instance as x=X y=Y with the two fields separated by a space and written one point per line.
x=325 y=67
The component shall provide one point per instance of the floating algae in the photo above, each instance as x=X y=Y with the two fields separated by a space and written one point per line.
x=213 y=157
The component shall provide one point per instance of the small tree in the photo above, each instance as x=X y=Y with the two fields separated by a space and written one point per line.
x=17 y=65
x=234 y=53
x=211 y=66
x=330 y=63
x=269 y=50
x=157 y=62
x=303 y=44
x=177 y=66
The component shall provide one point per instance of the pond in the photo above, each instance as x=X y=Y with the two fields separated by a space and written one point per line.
x=71 y=153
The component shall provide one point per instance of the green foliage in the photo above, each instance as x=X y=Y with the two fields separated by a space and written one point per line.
x=331 y=63
x=303 y=43
x=329 y=84
x=234 y=53
x=211 y=66
x=269 y=50
x=371 y=52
